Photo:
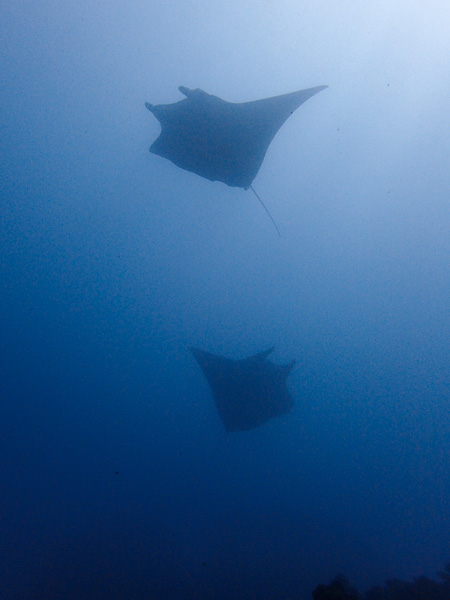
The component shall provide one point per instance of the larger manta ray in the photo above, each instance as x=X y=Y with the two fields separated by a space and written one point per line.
x=219 y=140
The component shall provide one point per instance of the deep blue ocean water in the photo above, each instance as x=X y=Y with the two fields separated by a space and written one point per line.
x=114 y=262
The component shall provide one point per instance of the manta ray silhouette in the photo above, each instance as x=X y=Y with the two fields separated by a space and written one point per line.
x=219 y=140
x=247 y=392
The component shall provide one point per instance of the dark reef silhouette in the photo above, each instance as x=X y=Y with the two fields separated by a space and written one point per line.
x=338 y=589
x=421 y=588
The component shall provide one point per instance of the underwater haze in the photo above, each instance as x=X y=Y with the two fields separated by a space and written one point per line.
x=117 y=481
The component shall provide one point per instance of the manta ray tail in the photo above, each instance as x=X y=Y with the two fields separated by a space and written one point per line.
x=265 y=208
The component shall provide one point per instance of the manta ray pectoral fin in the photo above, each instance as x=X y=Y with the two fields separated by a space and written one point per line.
x=186 y=91
x=289 y=367
x=261 y=356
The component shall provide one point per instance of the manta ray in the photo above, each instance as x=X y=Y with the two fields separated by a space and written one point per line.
x=220 y=140
x=247 y=392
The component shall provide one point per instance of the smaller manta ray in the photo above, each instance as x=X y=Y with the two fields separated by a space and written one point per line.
x=247 y=392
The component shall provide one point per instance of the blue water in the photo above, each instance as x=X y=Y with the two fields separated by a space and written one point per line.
x=114 y=262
